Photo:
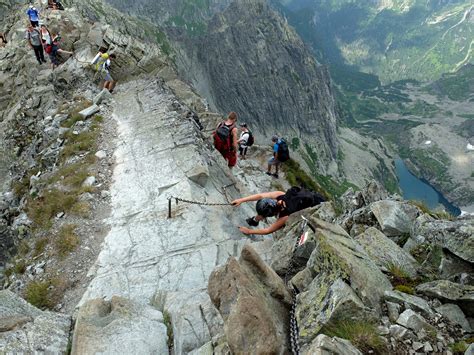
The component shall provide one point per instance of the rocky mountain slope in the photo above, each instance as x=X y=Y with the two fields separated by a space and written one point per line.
x=86 y=224
x=394 y=40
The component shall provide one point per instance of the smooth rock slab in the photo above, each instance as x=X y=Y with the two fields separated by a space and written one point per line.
x=25 y=329
x=119 y=327
x=384 y=252
x=324 y=345
x=395 y=218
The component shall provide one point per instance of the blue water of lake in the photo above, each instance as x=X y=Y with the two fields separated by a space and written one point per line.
x=419 y=190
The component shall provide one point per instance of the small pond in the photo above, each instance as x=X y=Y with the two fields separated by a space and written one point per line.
x=420 y=190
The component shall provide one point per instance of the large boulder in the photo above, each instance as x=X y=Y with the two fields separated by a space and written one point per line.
x=395 y=218
x=24 y=329
x=384 y=252
x=119 y=326
x=336 y=256
x=415 y=322
x=324 y=345
x=322 y=306
x=447 y=291
x=456 y=236
x=254 y=303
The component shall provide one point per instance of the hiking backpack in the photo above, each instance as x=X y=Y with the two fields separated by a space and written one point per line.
x=298 y=198
x=251 y=140
x=283 y=151
x=223 y=137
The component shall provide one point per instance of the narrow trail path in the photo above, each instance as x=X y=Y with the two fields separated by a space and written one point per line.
x=146 y=257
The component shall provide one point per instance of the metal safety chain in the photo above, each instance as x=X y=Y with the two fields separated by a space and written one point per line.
x=178 y=199
x=294 y=330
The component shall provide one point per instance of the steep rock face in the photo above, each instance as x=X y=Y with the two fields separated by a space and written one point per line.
x=272 y=79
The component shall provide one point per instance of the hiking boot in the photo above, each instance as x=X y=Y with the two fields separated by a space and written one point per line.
x=275 y=175
x=269 y=173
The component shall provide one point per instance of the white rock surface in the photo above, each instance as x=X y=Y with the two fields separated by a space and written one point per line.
x=145 y=253
x=324 y=345
x=89 y=111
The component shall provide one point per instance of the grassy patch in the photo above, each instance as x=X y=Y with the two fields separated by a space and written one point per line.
x=362 y=334
x=296 y=176
x=80 y=143
x=398 y=275
x=81 y=209
x=74 y=116
x=19 y=267
x=23 y=248
x=435 y=214
x=405 y=289
x=40 y=246
x=42 y=209
x=45 y=294
x=459 y=348
x=66 y=240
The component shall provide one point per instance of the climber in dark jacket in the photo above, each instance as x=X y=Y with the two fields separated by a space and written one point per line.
x=278 y=204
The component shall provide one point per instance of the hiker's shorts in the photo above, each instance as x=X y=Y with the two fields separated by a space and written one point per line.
x=231 y=157
x=108 y=77
x=273 y=161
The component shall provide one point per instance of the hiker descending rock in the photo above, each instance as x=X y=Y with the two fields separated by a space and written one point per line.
x=102 y=62
x=278 y=204
x=225 y=139
x=33 y=15
x=280 y=155
x=33 y=35
x=53 y=50
x=246 y=140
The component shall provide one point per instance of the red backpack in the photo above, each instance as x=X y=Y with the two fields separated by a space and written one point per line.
x=223 y=137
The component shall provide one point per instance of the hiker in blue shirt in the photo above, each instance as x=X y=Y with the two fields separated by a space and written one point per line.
x=33 y=15
x=273 y=161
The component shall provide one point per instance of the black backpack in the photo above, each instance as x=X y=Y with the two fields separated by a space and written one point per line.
x=251 y=140
x=223 y=137
x=283 y=151
x=298 y=198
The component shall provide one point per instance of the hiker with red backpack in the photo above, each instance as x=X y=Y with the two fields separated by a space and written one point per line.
x=246 y=140
x=53 y=50
x=278 y=204
x=281 y=154
x=225 y=139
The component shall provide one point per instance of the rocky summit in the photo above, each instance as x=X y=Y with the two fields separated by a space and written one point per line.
x=117 y=230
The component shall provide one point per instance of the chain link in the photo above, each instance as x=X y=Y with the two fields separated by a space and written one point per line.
x=197 y=202
x=294 y=329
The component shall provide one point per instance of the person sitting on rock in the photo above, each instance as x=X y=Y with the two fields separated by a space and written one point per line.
x=278 y=204
x=225 y=139
x=33 y=15
x=33 y=35
x=53 y=50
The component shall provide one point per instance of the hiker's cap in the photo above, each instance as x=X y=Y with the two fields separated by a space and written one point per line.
x=266 y=207
x=243 y=125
